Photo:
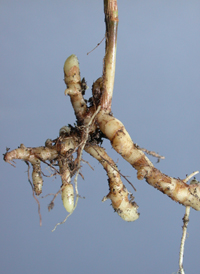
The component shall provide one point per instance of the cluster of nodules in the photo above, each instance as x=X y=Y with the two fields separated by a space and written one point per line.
x=60 y=153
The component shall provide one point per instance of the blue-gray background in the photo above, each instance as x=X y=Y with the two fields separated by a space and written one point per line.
x=156 y=96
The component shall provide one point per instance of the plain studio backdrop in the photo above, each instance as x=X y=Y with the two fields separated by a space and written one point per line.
x=156 y=96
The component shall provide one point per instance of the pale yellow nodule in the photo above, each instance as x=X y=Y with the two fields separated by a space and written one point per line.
x=68 y=197
x=71 y=70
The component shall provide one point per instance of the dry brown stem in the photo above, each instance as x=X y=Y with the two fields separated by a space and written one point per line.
x=111 y=21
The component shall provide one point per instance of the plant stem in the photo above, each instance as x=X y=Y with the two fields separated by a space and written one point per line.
x=111 y=20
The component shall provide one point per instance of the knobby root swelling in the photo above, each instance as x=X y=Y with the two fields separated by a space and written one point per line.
x=96 y=122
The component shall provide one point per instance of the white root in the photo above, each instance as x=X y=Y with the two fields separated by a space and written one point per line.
x=185 y=224
x=67 y=190
x=33 y=155
x=176 y=189
x=118 y=194
x=73 y=82
x=37 y=178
